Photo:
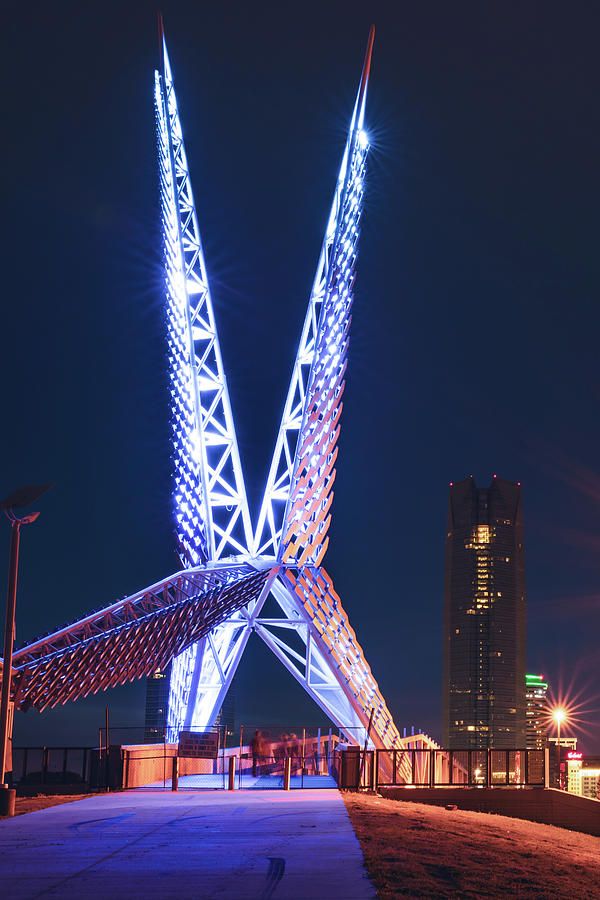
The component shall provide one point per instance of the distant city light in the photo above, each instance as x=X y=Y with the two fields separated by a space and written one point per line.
x=559 y=715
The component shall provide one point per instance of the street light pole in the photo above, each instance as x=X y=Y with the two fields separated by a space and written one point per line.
x=9 y=633
x=21 y=497
x=559 y=715
x=558 y=750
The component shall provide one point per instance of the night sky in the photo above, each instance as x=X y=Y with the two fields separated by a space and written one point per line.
x=474 y=342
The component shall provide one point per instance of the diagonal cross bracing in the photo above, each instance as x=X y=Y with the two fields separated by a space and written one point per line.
x=337 y=650
x=131 y=638
x=295 y=512
x=307 y=435
x=211 y=509
x=201 y=618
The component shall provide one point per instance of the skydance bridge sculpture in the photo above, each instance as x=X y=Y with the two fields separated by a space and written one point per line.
x=202 y=616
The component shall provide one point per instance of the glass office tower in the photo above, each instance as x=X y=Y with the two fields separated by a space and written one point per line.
x=484 y=630
x=536 y=711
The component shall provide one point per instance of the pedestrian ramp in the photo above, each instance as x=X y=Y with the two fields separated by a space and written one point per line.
x=245 y=781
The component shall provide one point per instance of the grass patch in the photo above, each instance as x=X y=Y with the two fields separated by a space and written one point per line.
x=415 y=850
x=41 y=801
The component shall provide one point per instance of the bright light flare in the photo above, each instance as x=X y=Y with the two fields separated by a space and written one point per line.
x=572 y=710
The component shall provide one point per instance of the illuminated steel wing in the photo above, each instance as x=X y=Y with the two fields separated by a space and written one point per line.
x=201 y=618
x=327 y=660
x=211 y=509
x=131 y=638
x=295 y=512
x=310 y=633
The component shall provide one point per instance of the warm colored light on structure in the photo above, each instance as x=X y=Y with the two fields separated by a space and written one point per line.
x=210 y=501
x=201 y=618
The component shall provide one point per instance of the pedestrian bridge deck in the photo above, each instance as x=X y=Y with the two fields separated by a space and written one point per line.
x=151 y=844
x=249 y=782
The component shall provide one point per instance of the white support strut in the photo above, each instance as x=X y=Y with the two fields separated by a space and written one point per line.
x=294 y=517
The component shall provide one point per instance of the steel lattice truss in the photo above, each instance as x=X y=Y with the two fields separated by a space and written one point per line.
x=131 y=638
x=212 y=519
x=202 y=618
x=310 y=632
x=303 y=464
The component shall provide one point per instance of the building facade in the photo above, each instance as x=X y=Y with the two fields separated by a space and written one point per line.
x=157 y=702
x=484 y=627
x=536 y=714
x=583 y=774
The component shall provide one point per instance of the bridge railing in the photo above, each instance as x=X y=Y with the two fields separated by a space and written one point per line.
x=430 y=768
x=51 y=766
x=150 y=765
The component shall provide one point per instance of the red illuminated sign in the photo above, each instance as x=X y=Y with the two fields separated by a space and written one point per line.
x=574 y=754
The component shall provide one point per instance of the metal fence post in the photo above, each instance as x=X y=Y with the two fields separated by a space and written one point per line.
x=287 y=771
x=175 y=774
x=318 y=772
x=107 y=742
x=232 y=773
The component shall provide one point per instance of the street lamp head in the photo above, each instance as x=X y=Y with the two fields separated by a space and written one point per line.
x=29 y=518
x=24 y=496
x=559 y=715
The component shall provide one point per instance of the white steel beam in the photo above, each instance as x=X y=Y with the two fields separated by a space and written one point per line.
x=211 y=509
x=293 y=518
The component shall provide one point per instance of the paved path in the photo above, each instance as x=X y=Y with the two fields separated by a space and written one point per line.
x=249 y=782
x=295 y=845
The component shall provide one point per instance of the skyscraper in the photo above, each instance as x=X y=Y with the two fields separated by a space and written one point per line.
x=484 y=630
x=535 y=710
x=157 y=702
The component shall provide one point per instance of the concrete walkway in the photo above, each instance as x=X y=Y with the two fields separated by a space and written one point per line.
x=287 y=845
x=249 y=782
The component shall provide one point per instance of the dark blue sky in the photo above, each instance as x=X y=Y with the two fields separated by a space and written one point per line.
x=474 y=343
